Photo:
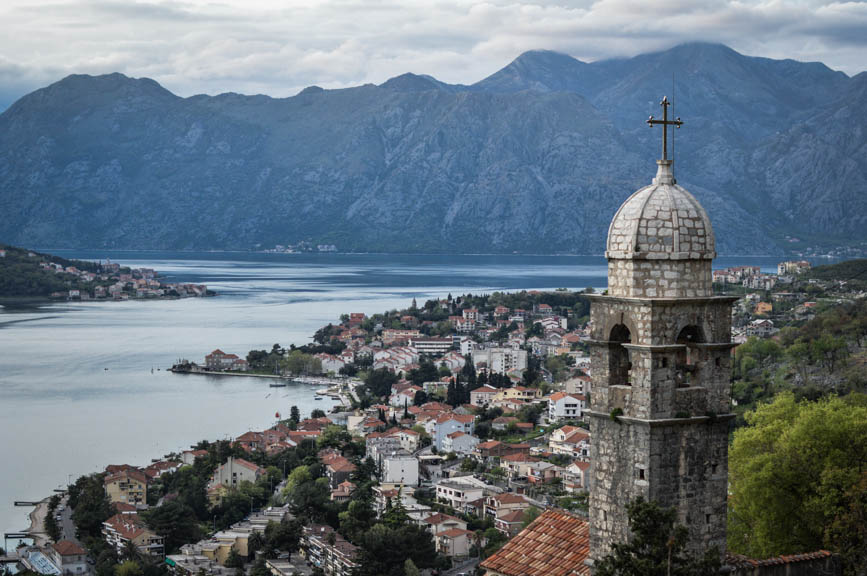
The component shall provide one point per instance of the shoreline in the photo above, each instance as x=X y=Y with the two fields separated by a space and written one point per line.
x=342 y=400
x=241 y=374
x=36 y=531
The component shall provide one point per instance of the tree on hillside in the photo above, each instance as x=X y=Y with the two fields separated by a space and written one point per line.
x=174 y=521
x=657 y=547
x=796 y=473
x=90 y=506
x=380 y=381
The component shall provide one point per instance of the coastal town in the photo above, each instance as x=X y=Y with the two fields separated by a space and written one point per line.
x=461 y=426
x=25 y=273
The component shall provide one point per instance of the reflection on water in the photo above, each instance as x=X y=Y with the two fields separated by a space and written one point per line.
x=84 y=384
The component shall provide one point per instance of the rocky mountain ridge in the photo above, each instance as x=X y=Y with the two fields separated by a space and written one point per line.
x=535 y=158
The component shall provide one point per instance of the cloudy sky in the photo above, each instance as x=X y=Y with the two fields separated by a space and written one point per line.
x=279 y=47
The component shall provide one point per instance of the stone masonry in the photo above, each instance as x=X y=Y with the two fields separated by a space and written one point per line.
x=661 y=365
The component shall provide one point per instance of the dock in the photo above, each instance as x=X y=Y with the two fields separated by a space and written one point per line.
x=26 y=503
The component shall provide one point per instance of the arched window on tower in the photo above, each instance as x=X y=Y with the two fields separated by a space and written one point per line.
x=688 y=358
x=619 y=365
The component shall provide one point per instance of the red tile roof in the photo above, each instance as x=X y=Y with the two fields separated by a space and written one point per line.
x=128 y=526
x=250 y=465
x=462 y=418
x=121 y=507
x=508 y=498
x=489 y=444
x=512 y=517
x=454 y=533
x=555 y=544
x=68 y=548
x=738 y=561
x=439 y=518
x=131 y=474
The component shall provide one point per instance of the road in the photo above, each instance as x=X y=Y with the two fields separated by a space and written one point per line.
x=469 y=568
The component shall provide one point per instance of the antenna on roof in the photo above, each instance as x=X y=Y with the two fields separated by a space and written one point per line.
x=672 y=113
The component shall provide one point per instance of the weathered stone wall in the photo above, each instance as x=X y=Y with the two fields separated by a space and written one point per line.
x=676 y=462
x=661 y=432
x=666 y=378
x=644 y=278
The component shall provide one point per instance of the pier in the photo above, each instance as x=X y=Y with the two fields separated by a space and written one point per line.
x=26 y=503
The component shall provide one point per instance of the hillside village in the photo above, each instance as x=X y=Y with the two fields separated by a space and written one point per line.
x=463 y=421
x=25 y=273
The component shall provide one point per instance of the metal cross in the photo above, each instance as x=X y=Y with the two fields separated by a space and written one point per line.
x=665 y=124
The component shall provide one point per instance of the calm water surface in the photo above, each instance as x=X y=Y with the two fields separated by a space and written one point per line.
x=83 y=385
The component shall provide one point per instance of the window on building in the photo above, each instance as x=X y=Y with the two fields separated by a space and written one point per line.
x=619 y=365
x=688 y=357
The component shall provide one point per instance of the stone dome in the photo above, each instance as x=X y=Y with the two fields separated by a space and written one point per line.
x=661 y=222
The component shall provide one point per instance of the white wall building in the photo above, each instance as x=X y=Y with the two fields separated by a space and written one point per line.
x=500 y=360
x=563 y=406
x=450 y=423
x=482 y=396
x=459 y=443
x=431 y=346
x=399 y=468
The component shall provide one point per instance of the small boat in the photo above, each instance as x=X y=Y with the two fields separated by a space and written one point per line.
x=317 y=397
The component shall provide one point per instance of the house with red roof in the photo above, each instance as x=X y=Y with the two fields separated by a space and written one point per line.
x=440 y=522
x=459 y=443
x=563 y=406
x=122 y=529
x=498 y=504
x=338 y=469
x=188 y=457
x=449 y=423
x=219 y=361
x=68 y=557
x=234 y=471
x=571 y=441
x=576 y=477
x=482 y=396
x=454 y=543
x=129 y=486
x=510 y=523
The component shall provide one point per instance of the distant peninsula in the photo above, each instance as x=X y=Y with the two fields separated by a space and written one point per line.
x=29 y=274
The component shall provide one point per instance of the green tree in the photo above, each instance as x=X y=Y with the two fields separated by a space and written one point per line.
x=90 y=505
x=175 y=522
x=284 y=535
x=128 y=568
x=357 y=519
x=530 y=514
x=307 y=495
x=234 y=560
x=848 y=530
x=657 y=547
x=385 y=550
x=794 y=470
x=295 y=414
x=333 y=437
x=379 y=382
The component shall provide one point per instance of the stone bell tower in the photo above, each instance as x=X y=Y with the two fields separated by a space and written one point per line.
x=661 y=365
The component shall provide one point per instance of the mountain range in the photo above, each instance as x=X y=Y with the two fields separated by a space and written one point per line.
x=534 y=158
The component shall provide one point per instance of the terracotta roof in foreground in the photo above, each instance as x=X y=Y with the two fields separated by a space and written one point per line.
x=555 y=544
x=738 y=561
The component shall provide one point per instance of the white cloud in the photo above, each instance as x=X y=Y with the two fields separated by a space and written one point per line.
x=279 y=47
